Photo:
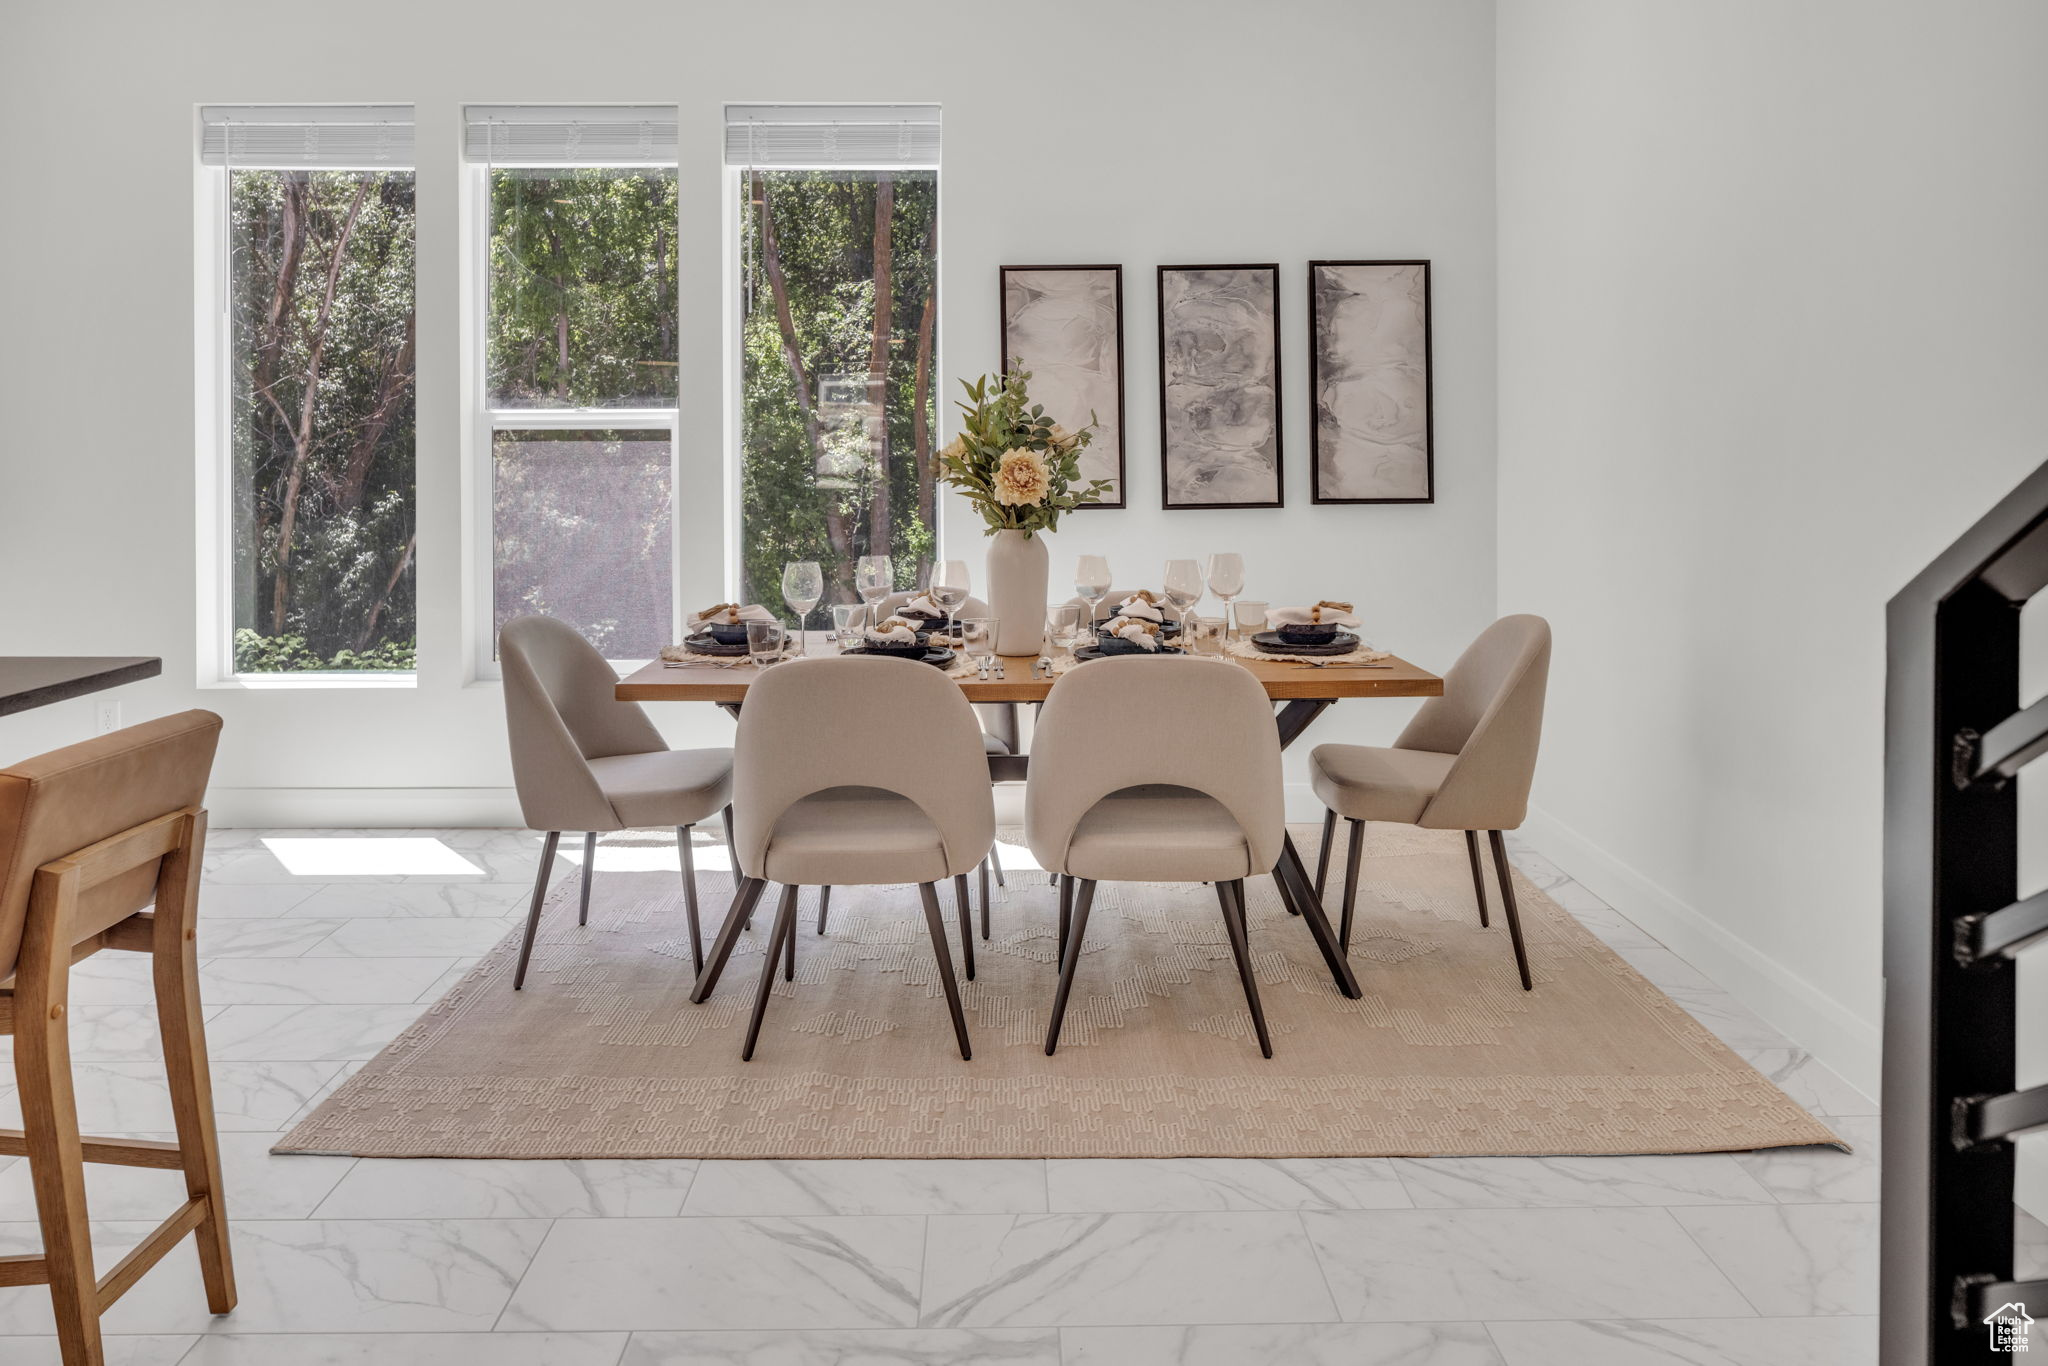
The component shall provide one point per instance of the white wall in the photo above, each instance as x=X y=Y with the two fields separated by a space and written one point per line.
x=1225 y=148
x=1774 y=320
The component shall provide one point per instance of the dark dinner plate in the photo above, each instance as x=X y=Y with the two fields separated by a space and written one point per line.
x=939 y=658
x=1085 y=653
x=708 y=645
x=1272 y=644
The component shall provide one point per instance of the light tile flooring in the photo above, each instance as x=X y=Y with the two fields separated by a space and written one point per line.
x=318 y=947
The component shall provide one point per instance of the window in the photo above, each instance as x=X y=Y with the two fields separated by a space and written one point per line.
x=317 y=339
x=838 y=338
x=578 y=374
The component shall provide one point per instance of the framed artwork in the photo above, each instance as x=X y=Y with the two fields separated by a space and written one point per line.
x=1368 y=377
x=1065 y=325
x=1219 y=386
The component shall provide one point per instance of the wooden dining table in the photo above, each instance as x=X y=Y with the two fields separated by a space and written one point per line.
x=1300 y=693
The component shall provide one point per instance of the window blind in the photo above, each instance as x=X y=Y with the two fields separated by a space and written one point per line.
x=570 y=135
x=306 y=135
x=824 y=135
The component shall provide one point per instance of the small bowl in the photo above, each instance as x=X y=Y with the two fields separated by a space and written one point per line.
x=927 y=624
x=1304 y=634
x=727 y=633
x=915 y=650
x=1117 y=645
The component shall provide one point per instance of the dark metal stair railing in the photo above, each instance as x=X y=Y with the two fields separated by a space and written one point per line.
x=1955 y=738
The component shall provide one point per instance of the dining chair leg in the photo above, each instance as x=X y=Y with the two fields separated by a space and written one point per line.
x=824 y=901
x=1507 y=902
x=1066 y=910
x=732 y=855
x=1351 y=856
x=1478 y=877
x=789 y=943
x=736 y=916
x=785 y=928
x=174 y=966
x=965 y=907
x=589 y=863
x=540 y=891
x=56 y=1156
x=995 y=861
x=1231 y=896
x=935 y=922
x=1070 y=960
x=982 y=872
x=689 y=858
x=1323 y=858
x=1292 y=876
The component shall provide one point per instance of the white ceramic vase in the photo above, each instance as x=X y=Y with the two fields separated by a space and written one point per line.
x=1016 y=590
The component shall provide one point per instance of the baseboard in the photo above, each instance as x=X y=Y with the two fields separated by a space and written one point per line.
x=1841 y=1038
x=357 y=808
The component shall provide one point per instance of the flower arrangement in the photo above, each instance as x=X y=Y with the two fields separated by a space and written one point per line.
x=1018 y=467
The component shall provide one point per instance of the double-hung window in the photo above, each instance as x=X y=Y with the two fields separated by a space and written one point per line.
x=308 y=459
x=575 y=275
x=837 y=212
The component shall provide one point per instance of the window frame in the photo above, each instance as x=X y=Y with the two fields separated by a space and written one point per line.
x=214 y=522
x=484 y=422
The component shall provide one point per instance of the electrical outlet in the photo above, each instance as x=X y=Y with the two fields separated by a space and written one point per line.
x=106 y=718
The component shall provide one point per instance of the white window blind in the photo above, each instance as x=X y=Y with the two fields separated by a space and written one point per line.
x=359 y=136
x=864 y=135
x=570 y=135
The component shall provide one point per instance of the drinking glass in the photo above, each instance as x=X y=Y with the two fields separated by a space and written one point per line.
x=846 y=619
x=1183 y=585
x=1226 y=578
x=1202 y=635
x=874 y=578
x=1063 y=626
x=764 y=642
x=1251 y=617
x=1091 y=581
x=803 y=584
x=978 y=638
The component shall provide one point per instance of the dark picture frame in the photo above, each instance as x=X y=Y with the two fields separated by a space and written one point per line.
x=1371 y=383
x=1212 y=327
x=1072 y=370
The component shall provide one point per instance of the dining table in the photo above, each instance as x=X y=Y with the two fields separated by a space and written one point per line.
x=1300 y=692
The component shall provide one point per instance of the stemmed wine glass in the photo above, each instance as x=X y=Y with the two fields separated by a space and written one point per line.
x=874 y=578
x=803 y=584
x=1091 y=581
x=1226 y=581
x=1183 y=587
x=949 y=585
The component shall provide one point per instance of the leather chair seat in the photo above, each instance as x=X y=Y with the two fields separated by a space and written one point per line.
x=1367 y=783
x=665 y=787
x=854 y=837
x=1159 y=834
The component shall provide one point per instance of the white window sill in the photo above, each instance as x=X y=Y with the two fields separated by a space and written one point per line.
x=309 y=681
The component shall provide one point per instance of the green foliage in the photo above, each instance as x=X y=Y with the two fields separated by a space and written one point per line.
x=1002 y=421
x=260 y=654
x=321 y=417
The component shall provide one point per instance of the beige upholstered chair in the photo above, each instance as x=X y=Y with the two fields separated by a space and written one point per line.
x=583 y=760
x=826 y=791
x=1117 y=794
x=1464 y=762
x=90 y=836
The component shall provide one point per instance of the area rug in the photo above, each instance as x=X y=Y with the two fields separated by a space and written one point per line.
x=603 y=1055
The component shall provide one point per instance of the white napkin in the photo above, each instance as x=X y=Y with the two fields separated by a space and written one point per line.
x=721 y=615
x=923 y=606
x=1316 y=614
x=1134 y=631
x=886 y=634
x=1140 y=609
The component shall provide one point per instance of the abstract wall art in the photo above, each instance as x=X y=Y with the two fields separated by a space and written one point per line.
x=1369 y=382
x=1065 y=325
x=1219 y=386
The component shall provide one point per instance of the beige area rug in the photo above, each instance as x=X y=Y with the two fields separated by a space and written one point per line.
x=603 y=1056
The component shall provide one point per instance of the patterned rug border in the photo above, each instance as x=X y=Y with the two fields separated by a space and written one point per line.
x=1059 y=1116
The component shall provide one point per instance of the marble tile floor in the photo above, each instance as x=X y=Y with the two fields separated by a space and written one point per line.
x=317 y=947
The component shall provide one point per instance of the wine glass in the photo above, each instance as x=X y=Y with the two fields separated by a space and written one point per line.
x=949 y=585
x=803 y=584
x=1183 y=586
x=1091 y=581
x=1226 y=579
x=874 y=578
